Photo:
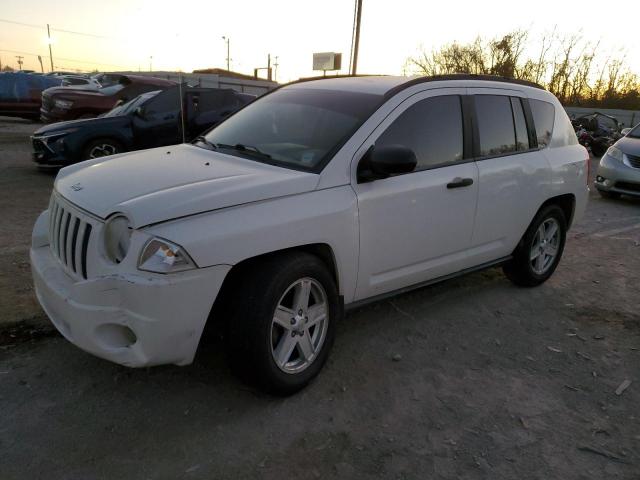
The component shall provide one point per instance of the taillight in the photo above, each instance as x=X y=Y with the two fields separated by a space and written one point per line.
x=588 y=162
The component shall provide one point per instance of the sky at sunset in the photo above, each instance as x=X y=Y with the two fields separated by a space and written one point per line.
x=187 y=35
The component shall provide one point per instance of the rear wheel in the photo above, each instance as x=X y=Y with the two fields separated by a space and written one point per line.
x=539 y=252
x=282 y=322
x=101 y=147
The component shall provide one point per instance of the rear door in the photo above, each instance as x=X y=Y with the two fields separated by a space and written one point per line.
x=417 y=226
x=514 y=176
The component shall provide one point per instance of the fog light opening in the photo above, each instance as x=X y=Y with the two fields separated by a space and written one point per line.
x=599 y=179
x=112 y=335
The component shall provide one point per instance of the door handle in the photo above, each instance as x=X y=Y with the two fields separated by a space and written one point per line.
x=460 y=182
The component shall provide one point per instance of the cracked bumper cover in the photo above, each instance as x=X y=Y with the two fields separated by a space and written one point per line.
x=166 y=313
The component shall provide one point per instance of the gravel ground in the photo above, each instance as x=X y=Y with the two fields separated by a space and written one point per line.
x=471 y=378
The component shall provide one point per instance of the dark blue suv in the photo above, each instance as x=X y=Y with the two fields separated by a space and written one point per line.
x=152 y=119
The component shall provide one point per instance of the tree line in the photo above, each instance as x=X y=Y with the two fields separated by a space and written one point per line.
x=570 y=67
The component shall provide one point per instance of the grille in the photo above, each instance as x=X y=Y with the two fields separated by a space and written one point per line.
x=633 y=187
x=69 y=235
x=47 y=103
x=634 y=161
x=38 y=146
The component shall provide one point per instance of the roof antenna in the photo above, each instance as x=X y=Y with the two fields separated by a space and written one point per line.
x=184 y=139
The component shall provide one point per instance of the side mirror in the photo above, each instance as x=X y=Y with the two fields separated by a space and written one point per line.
x=139 y=112
x=382 y=162
x=624 y=131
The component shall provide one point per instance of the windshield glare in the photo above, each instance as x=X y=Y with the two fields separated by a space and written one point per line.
x=131 y=105
x=298 y=128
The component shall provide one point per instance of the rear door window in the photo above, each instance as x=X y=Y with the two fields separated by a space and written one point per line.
x=543 y=116
x=432 y=128
x=522 y=138
x=495 y=125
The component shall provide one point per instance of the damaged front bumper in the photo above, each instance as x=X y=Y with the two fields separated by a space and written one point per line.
x=137 y=319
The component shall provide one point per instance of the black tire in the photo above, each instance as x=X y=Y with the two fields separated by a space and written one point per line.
x=606 y=194
x=257 y=291
x=105 y=144
x=598 y=149
x=520 y=269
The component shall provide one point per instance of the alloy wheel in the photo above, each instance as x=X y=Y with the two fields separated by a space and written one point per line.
x=299 y=325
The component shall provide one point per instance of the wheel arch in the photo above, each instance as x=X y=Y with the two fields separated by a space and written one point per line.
x=566 y=202
x=322 y=251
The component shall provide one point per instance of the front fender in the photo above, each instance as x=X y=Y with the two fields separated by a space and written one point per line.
x=231 y=235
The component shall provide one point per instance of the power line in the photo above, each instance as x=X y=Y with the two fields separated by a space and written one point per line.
x=73 y=32
x=68 y=59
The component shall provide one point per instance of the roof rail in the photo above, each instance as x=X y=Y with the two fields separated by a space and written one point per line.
x=460 y=76
x=328 y=77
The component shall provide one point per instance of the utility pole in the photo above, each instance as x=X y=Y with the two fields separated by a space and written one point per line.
x=20 y=62
x=49 y=42
x=151 y=63
x=356 y=42
x=269 y=67
x=275 y=72
x=228 y=41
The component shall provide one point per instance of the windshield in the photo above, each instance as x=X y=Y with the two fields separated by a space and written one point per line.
x=635 y=132
x=298 y=128
x=131 y=105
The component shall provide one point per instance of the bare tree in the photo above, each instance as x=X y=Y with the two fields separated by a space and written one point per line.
x=568 y=66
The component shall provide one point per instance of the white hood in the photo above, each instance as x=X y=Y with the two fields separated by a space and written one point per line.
x=170 y=182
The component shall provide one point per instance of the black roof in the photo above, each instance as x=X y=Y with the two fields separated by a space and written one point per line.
x=432 y=78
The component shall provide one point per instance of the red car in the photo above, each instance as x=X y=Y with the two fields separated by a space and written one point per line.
x=67 y=103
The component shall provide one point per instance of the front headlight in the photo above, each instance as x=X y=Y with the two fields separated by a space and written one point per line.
x=615 y=153
x=117 y=236
x=64 y=104
x=162 y=256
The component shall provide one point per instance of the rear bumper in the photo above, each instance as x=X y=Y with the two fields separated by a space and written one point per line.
x=614 y=176
x=135 y=320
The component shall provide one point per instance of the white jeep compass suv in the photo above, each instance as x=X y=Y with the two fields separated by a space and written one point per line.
x=319 y=195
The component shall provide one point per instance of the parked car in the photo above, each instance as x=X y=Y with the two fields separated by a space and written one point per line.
x=318 y=196
x=65 y=103
x=150 y=120
x=597 y=131
x=619 y=169
x=20 y=94
x=80 y=82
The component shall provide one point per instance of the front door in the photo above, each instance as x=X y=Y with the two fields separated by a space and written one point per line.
x=160 y=121
x=418 y=226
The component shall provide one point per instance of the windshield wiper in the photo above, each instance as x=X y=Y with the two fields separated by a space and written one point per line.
x=202 y=139
x=244 y=148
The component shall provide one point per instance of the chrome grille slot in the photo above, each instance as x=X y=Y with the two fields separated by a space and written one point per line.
x=634 y=161
x=69 y=236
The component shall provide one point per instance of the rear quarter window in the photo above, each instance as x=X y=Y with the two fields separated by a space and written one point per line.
x=543 y=118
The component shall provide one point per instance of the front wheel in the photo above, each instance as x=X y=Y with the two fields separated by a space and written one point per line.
x=539 y=252
x=282 y=322
x=101 y=147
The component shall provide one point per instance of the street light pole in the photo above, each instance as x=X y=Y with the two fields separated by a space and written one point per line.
x=49 y=42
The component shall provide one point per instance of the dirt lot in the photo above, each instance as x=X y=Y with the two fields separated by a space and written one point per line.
x=492 y=381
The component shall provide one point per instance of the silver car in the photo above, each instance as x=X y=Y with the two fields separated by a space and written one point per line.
x=619 y=168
